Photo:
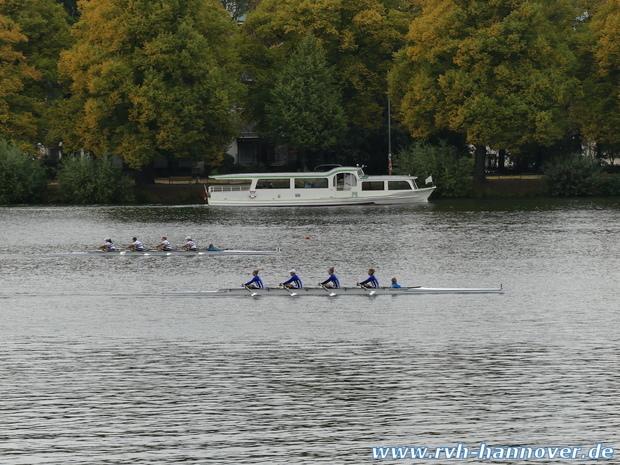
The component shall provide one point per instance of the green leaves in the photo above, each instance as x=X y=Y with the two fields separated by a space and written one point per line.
x=305 y=111
x=21 y=176
x=573 y=175
x=451 y=170
x=359 y=38
x=83 y=179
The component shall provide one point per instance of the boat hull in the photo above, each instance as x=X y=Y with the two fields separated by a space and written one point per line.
x=345 y=291
x=243 y=200
x=172 y=253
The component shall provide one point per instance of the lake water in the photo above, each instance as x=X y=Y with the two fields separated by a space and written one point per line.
x=98 y=367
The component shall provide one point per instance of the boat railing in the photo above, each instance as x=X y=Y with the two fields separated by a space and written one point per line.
x=230 y=188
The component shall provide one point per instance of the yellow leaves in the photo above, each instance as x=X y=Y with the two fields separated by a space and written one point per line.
x=103 y=24
x=153 y=77
x=498 y=72
x=369 y=20
x=606 y=27
x=16 y=111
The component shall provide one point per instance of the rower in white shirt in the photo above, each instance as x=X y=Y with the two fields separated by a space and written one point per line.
x=189 y=244
x=135 y=245
x=108 y=246
x=164 y=244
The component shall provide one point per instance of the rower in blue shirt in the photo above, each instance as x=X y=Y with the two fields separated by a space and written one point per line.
x=371 y=281
x=255 y=282
x=294 y=282
x=136 y=245
x=212 y=248
x=332 y=282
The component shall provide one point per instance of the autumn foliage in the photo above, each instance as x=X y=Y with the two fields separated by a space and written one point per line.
x=179 y=79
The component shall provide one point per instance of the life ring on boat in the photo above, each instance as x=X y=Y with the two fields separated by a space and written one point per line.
x=252 y=194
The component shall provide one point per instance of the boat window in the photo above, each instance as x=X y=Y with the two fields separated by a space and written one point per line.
x=373 y=185
x=345 y=181
x=399 y=186
x=317 y=183
x=273 y=183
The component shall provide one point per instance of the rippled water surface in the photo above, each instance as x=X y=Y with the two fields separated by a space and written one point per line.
x=98 y=367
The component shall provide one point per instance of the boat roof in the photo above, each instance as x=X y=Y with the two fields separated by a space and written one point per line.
x=310 y=174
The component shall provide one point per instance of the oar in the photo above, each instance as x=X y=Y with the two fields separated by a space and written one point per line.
x=293 y=294
x=252 y=293
x=331 y=293
x=366 y=289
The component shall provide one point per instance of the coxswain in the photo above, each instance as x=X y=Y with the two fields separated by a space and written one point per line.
x=164 y=244
x=332 y=282
x=395 y=283
x=108 y=246
x=212 y=248
x=371 y=281
x=255 y=282
x=189 y=244
x=135 y=245
x=294 y=282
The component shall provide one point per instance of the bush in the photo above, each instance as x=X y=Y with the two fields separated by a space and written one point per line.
x=21 y=177
x=572 y=175
x=612 y=186
x=451 y=170
x=84 y=180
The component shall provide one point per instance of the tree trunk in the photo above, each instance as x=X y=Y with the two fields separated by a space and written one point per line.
x=479 y=165
x=501 y=162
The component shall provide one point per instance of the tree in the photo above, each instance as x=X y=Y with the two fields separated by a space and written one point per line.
x=599 y=110
x=45 y=27
x=16 y=119
x=152 y=78
x=502 y=73
x=359 y=37
x=305 y=110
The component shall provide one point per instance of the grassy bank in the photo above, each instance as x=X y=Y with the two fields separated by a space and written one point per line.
x=512 y=186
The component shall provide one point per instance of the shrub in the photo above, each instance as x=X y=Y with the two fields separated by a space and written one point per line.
x=572 y=175
x=83 y=180
x=451 y=170
x=21 y=177
x=612 y=186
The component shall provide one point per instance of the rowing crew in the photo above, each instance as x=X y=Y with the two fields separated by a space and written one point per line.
x=332 y=282
x=164 y=245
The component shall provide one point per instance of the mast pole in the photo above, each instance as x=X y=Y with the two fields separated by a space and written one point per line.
x=389 y=137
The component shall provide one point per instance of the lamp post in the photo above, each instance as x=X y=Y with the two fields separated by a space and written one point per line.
x=389 y=137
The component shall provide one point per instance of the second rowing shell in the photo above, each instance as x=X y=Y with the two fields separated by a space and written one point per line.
x=306 y=291
x=161 y=253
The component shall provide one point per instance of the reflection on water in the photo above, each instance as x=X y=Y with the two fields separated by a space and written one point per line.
x=96 y=366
